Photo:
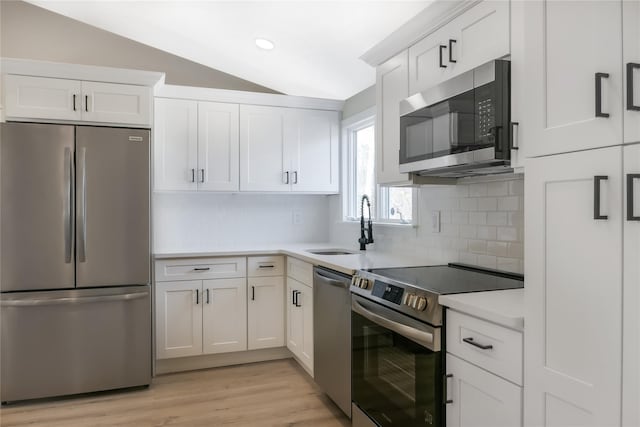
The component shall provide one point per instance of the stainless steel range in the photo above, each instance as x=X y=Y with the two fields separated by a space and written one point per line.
x=398 y=339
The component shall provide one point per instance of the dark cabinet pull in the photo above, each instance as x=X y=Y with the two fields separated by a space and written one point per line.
x=193 y=175
x=630 y=105
x=295 y=177
x=451 y=43
x=512 y=134
x=596 y=196
x=202 y=269
x=475 y=344
x=86 y=103
x=207 y=295
x=293 y=298
x=266 y=266
x=599 y=77
x=253 y=293
x=74 y=102
x=202 y=175
x=630 y=178
x=445 y=389
x=197 y=296
x=442 y=47
x=298 y=301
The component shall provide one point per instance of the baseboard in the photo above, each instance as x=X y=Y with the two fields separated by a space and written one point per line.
x=180 y=364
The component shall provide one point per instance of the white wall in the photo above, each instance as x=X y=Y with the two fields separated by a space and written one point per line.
x=481 y=224
x=209 y=221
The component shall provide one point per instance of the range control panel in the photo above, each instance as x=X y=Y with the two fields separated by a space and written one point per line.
x=387 y=292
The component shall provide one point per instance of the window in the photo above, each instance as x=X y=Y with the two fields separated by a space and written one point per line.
x=388 y=204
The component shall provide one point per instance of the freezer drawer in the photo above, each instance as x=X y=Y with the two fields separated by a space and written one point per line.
x=75 y=341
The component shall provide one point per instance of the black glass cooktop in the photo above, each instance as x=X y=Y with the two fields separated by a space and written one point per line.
x=452 y=278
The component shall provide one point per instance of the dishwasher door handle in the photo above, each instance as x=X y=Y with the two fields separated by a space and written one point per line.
x=421 y=337
x=330 y=281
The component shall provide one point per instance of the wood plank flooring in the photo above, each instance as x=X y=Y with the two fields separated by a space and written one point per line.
x=277 y=393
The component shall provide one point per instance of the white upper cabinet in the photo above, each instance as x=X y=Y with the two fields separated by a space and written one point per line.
x=264 y=162
x=574 y=297
x=196 y=146
x=572 y=76
x=218 y=147
x=30 y=97
x=175 y=140
x=40 y=97
x=479 y=35
x=631 y=55
x=285 y=149
x=392 y=86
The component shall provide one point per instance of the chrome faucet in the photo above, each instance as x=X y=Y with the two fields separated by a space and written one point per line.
x=365 y=238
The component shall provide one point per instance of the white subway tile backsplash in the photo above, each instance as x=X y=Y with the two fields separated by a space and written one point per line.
x=497 y=218
x=515 y=250
x=509 y=234
x=487 y=232
x=469 y=204
x=478 y=190
x=460 y=217
x=468 y=258
x=477 y=218
x=488 y=204
x=497 y=248
x=468 y=231
x=509 y=264
x=498 y=188
x=511 y=203
x=488 y=261
x=478 y=246
x=516 y=187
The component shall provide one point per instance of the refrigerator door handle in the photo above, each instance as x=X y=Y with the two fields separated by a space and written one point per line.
x=82 y=203
x=69 y=233
x=72 y=300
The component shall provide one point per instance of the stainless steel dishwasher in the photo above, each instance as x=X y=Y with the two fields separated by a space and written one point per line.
x=332 y=335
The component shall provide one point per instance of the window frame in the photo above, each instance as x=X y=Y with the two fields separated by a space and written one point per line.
x=351 y=207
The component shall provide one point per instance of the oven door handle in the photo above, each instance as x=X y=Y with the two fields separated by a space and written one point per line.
x=423 y=338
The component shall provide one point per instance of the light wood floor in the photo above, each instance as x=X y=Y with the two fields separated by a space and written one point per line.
x=277 y=393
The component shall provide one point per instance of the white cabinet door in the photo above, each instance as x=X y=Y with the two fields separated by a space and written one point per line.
x=631 y=291
x=116 y=103
x=479 y=35
x=480 y=399
x=218 y=147
x=264 y=165
x=42 y=98
x=224 y=315
x=178 y=319
x=295 y=318
x=573 y=289
x=265 y=312
x=631 y=55
x=567 y=43
x=175 y=144
x=314 y=152
x=392 y=86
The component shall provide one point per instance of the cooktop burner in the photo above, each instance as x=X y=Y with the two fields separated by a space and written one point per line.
x=452 y=278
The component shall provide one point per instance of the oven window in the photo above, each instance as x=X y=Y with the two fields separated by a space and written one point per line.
x=395 y=381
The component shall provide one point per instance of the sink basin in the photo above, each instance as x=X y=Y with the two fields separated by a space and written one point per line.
x=331 y=252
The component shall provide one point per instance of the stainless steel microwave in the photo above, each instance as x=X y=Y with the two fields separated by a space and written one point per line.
x=460 y=127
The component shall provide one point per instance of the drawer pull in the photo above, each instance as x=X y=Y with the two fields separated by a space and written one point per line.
x=446 y=399
x=202 y=269
x=475 y=344
x=266 y=266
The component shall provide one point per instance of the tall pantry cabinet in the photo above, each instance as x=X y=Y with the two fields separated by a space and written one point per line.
x=582 y=198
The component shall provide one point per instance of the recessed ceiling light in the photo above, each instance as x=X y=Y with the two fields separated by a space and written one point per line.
x=264 y=44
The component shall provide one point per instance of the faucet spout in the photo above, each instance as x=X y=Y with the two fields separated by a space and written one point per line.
x=366 y=235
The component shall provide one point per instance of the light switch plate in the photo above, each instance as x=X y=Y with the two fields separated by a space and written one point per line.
x=435 y=221
x=297 y=217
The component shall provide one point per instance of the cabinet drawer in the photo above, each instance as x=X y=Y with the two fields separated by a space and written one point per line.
x=259 y=266
x=200 y=268
x=466 y=335
x=300 y=270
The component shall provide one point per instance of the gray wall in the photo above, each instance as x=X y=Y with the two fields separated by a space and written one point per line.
x=359 y=102
x=30 y=32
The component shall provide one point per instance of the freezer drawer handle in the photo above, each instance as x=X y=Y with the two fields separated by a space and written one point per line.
x=630 y=201
x=475 y=344
x=72 y=300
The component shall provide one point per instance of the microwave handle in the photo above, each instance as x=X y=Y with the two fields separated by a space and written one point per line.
x=512 y=135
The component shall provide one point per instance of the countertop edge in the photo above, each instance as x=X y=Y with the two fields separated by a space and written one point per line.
x=464 y=304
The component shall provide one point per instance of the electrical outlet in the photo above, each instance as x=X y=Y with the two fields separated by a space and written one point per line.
x=435 y=221
x=297 y=217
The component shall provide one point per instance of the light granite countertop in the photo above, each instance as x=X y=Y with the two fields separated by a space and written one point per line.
x=347 y=264
x=505 y=308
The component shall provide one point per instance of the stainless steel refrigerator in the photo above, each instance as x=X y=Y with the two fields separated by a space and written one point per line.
x=75 y=305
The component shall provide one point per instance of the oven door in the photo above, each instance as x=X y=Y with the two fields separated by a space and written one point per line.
x=396 y=367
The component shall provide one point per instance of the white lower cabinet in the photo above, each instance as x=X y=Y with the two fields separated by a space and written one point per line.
x=484 y=373
x=266 y=312
x=300 y=320
x=224 y=315
x=479 y=398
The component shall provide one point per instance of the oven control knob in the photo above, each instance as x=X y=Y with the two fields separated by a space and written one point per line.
x=405 y=298
x=360 y=280
x=364 y=283
x=411 y=300
x=354 y=281
x=422 y=304
x=367 y=284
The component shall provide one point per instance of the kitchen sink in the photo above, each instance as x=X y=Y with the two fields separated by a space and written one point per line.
x=331 y=252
